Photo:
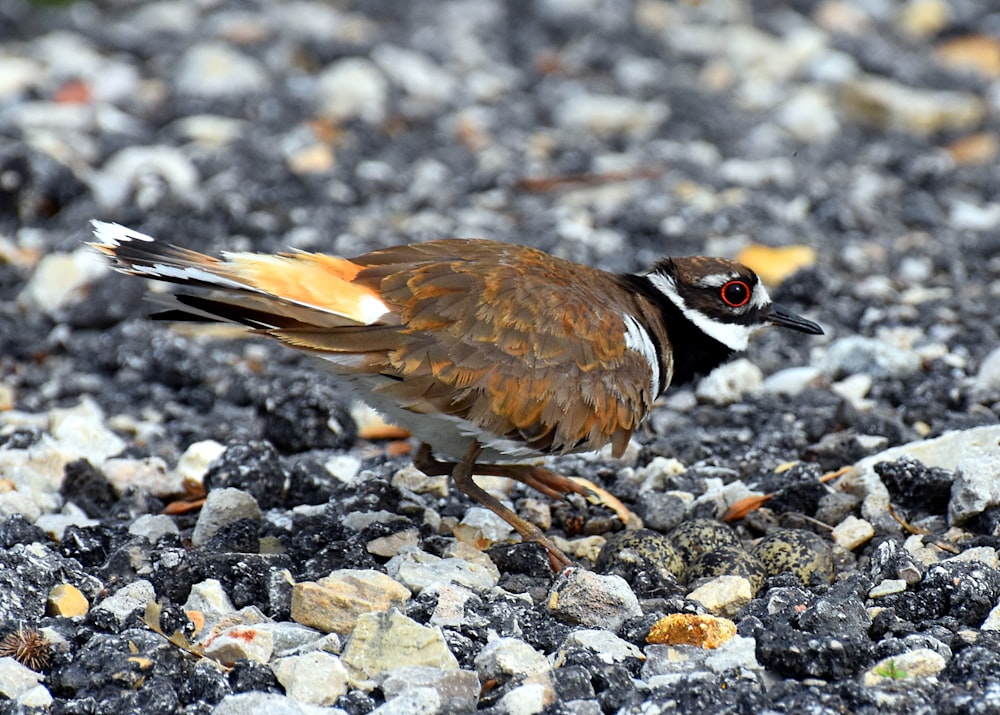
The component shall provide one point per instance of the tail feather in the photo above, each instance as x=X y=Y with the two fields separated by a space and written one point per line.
x=263 y=292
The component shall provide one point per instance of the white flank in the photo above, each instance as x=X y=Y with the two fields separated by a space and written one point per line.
x=637 y=338
x=732 y=335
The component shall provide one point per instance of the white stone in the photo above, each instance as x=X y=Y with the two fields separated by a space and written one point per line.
x=852 y=532
x=127 y=171
x=976 y=487
x=128 y=599
x=876 y=357
x=887 y=587
x=809 y=115
x=211 y=600
x=729 y=382
x=593 y=600
x=792 y=380
x=979 y=554
x=917 y=663
x=737 y=653
x=353 y=88
x=153 y=527
x=252 y=642
x=486 y=524
x=16 y=679
x=222 y=507
x=216 y=69
x=527 y=699
x=59 y=279
x=148 y=475
x=654 y=475
x=508 y=658
x=609 y=115
x=723 y=595
x=317 y=678
x=194 y=463
x=418 y=570
x=426 y=84
x=988 y=376
x=949 y=451
x=343 y=467
x=36 y=697
x=605 y=645
x=80 y=432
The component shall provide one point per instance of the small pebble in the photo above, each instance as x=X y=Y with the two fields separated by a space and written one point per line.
x=606 y=646
x=906 y=667
x=353 y=88
x=887 y=587
x=316 y=678
x=730 y=382
x=527 y=699
x=334 y=604
x=701 y=631
x=852 y=532
x=417 y=570
x=243 y=641
x=801 y=552
x=726 y=561
x=459 y=688
x=507 y=658
x=67 y=600
x=127 y=600
x=382 y=642
x=723 y=595
x=698 y=536
x=592 y=600
x=153 y=526
x=214 y=69
x=223 y=507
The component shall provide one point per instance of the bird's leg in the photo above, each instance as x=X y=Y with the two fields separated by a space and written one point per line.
x=549 y=483
x=461 y=473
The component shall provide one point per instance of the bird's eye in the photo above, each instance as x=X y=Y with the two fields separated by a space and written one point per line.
x=735 y=294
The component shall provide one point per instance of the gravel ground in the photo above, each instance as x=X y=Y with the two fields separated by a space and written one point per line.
x=321 y=572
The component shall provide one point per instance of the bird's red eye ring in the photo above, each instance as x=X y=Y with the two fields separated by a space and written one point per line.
x=735 y=294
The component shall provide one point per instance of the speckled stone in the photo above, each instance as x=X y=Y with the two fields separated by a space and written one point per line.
x=801 y=552
x=698 y=536
x=647 y=560
x=727 y=561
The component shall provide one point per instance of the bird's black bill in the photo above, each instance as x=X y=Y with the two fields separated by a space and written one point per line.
x=786 y=319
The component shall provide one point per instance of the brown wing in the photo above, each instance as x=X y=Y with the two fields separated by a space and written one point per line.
x=516 y=341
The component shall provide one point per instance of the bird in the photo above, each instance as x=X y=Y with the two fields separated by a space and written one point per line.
x=486 y=352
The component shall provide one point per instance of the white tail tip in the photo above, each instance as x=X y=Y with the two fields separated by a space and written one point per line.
x=113 y=234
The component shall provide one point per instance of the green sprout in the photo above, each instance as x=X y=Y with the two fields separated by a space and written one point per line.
x=891 y=670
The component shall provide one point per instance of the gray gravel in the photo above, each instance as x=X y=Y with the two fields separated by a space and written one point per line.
x=607 y=132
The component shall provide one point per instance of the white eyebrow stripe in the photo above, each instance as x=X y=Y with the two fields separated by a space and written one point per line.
x=637 y=338
x=717 y=280
x=733 y=335
x=761 y=298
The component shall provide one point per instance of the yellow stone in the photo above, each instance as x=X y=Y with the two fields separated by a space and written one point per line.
x=978 y=148
x=978 y=53
x=923 y=18
x=335 y=603
x=67 y=600
x=775 y=265
x=698 y=630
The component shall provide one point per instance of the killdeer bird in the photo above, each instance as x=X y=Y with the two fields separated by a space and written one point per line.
x=486 y=352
